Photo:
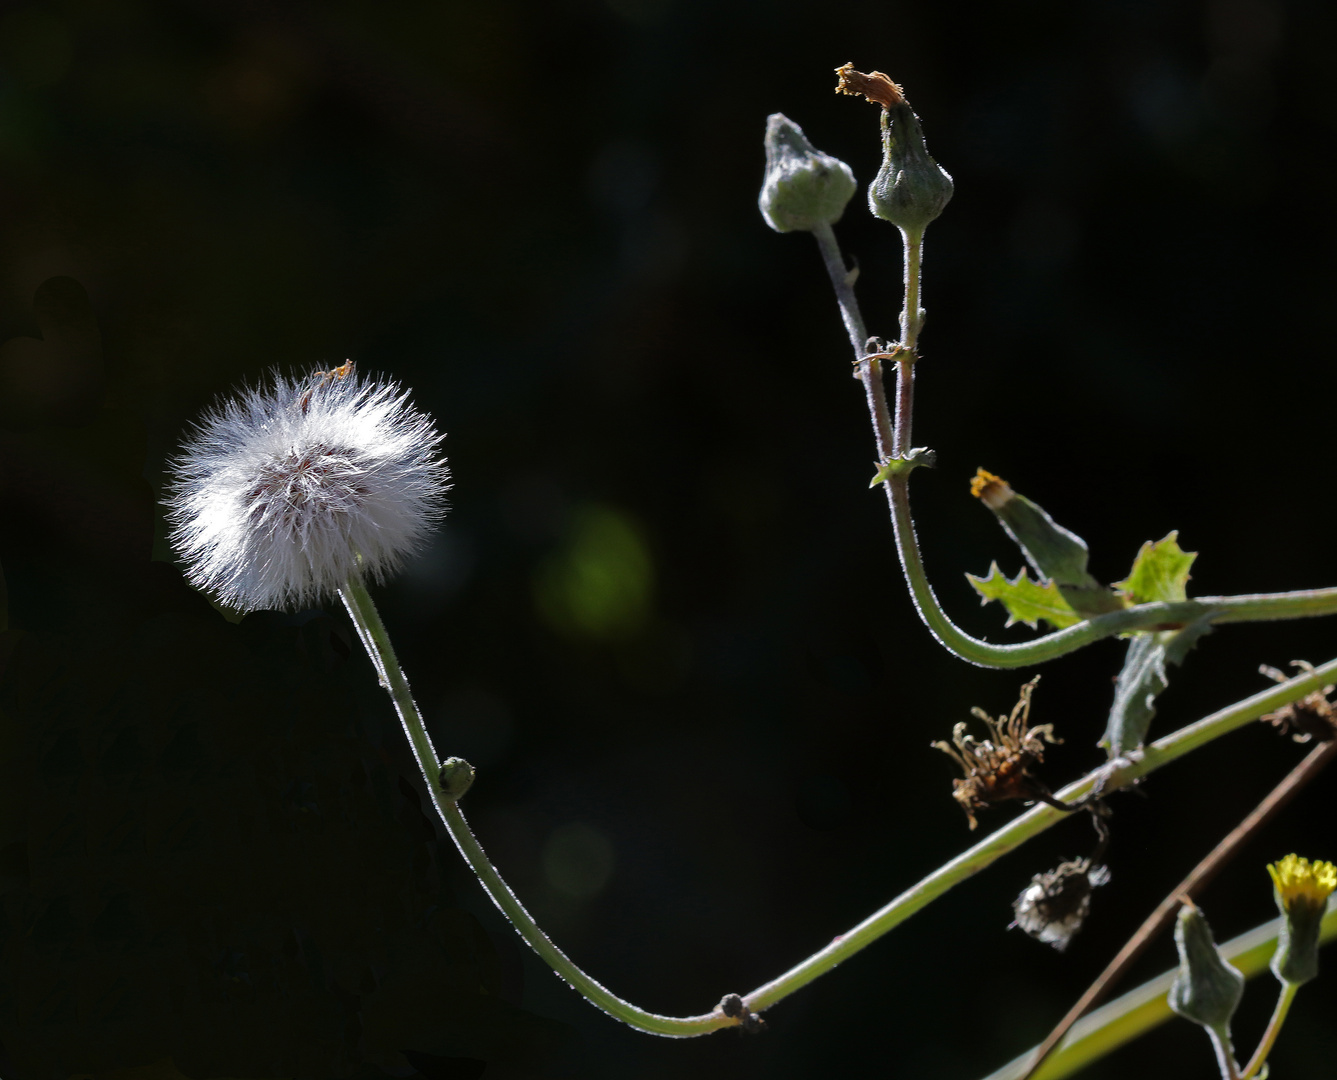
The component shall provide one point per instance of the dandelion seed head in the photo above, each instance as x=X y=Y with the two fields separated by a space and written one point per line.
x=283 y=492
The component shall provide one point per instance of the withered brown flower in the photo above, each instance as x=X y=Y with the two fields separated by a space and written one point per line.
x=998 y=768
x=1312 y=717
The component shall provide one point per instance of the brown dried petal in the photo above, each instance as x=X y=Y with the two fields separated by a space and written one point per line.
x=875 y=86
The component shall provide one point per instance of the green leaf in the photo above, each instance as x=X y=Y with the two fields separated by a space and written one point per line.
x=1026 y=600
x=1160 y=572
x=1055 y=553
x=1142 y=680
x=918 y=455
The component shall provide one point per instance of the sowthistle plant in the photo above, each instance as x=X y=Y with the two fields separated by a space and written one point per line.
x=318 y=486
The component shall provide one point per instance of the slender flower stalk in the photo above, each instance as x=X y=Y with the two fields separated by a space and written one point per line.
x=981 y=855
x=1259 y=607
x=1274 y=1025
x=372 y=630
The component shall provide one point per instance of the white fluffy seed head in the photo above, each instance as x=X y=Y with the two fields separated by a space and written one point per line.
x=281 y=494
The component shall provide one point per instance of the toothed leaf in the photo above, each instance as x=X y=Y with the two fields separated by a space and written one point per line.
x=1055 y=553
x=1142 y=680
x=1026 y=600
x=1160 y=572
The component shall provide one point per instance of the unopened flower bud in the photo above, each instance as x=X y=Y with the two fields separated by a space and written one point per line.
x=1207 y=990
x=456 y=777
x=1302 y=889
x=911 y=188
x=803 y=188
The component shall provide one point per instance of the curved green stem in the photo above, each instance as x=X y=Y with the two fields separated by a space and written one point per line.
x=373 y=634
x=896 y=443
x=1218 y=609
x=1138 y=1011
x=1284 y=1000
x=1120 y=773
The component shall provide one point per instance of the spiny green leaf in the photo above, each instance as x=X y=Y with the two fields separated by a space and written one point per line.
x=1160 y=572
x=1142 y=680
x=1026 y=600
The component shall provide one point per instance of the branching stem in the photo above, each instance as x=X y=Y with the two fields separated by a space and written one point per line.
x=1219 y=609
x=1011 y=836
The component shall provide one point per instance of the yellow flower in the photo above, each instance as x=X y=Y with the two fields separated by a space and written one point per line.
x=1302 y=891
x=1299 y=881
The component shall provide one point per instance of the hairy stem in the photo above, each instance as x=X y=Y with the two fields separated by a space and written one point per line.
x=373 y=634
x=1036 y=820
x=895 y=443
x=868 y=370
x=911 y=316
x=842 y=281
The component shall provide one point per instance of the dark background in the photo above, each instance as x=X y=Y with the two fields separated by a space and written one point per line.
x=664 y=617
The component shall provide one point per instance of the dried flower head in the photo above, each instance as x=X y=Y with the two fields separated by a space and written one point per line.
x=1054 y=906
x=998 y=768
x=1312 y=717
x=283 y=493
x=875 y=86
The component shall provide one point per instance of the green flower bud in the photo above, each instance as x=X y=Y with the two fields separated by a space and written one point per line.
x=1207 y=990
x=911 y=188
x=1302 y=889
x=457 y=776
x=803 y=188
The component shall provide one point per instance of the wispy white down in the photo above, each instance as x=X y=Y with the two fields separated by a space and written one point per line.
x=277 y=492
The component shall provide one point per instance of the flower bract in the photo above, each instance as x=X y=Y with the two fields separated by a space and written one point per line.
x=284 y=492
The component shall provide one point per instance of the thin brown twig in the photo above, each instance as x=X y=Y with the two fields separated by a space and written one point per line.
x=1197 y=878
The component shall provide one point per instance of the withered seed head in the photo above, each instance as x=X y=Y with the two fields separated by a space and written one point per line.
x=998 y=769
x=1313 y=717
x=1054 y=906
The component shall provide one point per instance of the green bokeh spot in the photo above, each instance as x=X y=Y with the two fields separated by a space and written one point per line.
x=600 y=584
